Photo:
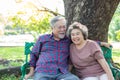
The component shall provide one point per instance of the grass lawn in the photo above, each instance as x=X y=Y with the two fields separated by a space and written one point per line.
x=9 y=77
x=116 y=55
x=12 y=53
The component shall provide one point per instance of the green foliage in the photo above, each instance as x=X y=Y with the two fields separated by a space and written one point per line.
x=15 y=63
x=118 y=35
x=2 y=67
x=10 y=33
x=18 y=22
x=39 y=26
x=36 y=27
x=8 y=27
x=116 y=55
x=35 y=24
x=10 y=64
x=8 y=77
x=115 y=25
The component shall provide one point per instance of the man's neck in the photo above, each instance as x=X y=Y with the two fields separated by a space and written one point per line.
x=57 y=39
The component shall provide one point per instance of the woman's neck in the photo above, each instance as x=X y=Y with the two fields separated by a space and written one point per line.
x=82 y=44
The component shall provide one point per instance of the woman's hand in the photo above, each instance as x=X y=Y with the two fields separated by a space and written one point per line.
x=105 y=44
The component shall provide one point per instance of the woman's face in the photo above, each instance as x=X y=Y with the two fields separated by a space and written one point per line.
x=77 y=36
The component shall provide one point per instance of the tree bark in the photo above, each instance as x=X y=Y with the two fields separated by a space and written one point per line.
x=95 y=14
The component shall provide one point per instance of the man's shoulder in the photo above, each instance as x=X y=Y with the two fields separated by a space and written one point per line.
x=44 y=37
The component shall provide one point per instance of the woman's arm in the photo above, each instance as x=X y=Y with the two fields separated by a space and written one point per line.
x=108 y=45
x=106 y=68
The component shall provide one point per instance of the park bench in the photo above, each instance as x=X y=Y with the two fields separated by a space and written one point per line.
x=106 y=51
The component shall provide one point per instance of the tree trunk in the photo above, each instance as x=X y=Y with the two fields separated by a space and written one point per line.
x=95 y=14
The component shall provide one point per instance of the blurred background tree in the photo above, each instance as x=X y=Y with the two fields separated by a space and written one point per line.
x=34 y=19
x=114 y=27
x=34 y=25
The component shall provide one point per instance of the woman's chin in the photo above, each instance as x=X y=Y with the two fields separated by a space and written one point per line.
x=76 y=43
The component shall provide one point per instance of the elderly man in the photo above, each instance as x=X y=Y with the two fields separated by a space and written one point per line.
x=49 y=56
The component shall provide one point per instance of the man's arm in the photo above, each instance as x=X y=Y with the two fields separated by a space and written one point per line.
x=31 y=73
x=34 y=55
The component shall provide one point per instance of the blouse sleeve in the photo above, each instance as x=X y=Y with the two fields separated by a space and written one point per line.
x=98 y=55
x=96 y=51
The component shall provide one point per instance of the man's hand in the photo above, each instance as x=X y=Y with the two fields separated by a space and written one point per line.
x=31 y=73
x=28 y=76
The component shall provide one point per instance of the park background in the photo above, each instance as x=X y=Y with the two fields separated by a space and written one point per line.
x=24 y=20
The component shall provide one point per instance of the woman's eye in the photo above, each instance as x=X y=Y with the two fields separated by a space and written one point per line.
x=72 y=34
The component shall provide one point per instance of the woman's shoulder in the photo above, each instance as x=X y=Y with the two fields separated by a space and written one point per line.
x=91 y=42
x=72 y=45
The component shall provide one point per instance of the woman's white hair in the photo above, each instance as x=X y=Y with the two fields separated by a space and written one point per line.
x=81 y=27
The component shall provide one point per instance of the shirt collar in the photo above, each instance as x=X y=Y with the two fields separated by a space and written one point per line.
x=52 y=37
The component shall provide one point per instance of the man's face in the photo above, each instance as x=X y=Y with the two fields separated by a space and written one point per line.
x=59 y=29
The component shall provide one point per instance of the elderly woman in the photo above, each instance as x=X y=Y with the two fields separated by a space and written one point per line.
x=86 y=55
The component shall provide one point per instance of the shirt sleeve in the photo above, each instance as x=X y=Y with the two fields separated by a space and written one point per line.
x=35 y=53
x=97 y=52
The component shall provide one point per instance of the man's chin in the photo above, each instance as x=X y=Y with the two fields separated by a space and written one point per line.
x=61 y=36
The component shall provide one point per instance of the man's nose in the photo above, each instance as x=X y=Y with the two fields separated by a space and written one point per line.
x=63 y=29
